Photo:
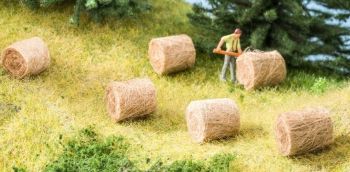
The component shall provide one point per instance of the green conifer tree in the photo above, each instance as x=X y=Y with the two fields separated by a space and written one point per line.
x=293 y=27
x=97 y=10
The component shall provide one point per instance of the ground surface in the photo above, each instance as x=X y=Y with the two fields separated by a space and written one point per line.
x=38 y=113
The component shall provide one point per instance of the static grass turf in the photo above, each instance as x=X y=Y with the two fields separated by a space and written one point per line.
x=39 y=115
x=88 y=152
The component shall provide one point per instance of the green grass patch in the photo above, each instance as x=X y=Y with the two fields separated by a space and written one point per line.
x=217 y=163
x=88 y=152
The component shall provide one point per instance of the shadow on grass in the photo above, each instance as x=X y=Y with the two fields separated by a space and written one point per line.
x=156 y=123
x=328 y=158
x=252 y=131
x=7 y=111
x=205 y=70
x=308 y=80
x=246 y=132
x=141 y=119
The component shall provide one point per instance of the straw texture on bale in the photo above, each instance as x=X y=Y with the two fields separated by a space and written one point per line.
x=212 y=119
x=171 y=54
x=303 y=131
x=257 y=69
x=26 y=57
x=131 y=99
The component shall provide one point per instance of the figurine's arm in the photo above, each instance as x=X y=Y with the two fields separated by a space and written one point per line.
x=239 y=47
x=220 y=44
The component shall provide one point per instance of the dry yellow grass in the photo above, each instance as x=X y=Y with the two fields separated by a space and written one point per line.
x=69 y=96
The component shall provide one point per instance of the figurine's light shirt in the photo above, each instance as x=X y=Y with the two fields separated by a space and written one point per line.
x=232 y=42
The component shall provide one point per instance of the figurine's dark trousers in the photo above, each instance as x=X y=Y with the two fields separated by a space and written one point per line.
x=229 y=62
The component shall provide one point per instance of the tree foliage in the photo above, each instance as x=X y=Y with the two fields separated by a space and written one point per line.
x=97 y=10
x=293 y=27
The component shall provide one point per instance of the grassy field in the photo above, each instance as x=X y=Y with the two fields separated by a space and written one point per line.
x=38 y=115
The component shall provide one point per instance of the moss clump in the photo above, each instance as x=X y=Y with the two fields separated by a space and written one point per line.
x=221 y=162
x=218 y=163
x=89 y=153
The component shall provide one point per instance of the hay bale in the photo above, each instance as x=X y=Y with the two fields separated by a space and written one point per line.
x=258 y=69
x=26 y=57
x=303 y=131
x=212 y=119
x=171 y=54
x=131 y=99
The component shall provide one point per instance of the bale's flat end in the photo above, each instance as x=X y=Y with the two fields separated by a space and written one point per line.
x=26 y=57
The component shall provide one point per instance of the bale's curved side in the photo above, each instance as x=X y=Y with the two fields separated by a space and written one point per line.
x=26 y=57
x=258 y=69
x=303 y=131
x=171 y=54
x=212 y=119
x=131 y=99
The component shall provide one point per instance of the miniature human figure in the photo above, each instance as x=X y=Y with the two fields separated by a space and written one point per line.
x=232 y=45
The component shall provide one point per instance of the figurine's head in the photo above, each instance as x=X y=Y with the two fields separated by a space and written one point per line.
x=238 y=32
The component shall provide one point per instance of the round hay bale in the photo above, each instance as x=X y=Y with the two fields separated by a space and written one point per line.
x=258 y=69
x=131 y=99
x=26 y=57
x=303 y=131
x=171 y=54
x=212 y=119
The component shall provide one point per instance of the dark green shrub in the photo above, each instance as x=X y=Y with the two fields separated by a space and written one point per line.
x=218 y=163
x=221 y=162
x=97 y=10
x=88 y=153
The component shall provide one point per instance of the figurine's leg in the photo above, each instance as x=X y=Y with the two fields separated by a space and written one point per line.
x=224 y=68
x=233 y=69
